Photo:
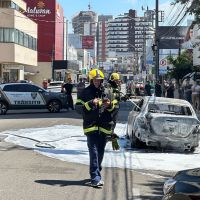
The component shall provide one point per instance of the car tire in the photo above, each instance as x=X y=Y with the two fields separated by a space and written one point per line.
x=54 y=106
x=135 y=142
x=3 y=108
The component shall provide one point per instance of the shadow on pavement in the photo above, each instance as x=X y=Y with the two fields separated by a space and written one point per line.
x=63 y=183
x=31 y=114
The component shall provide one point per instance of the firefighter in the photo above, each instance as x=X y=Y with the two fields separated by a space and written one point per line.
x=114 y=86
x=97 y=122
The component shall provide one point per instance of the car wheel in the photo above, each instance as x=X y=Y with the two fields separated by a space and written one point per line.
x=135 y=142
x=54 y=106
x=3 y=108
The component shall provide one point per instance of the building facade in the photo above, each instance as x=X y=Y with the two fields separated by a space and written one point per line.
x=102 y=42
x=85 y=23
x=49 y=16
x=18 y=41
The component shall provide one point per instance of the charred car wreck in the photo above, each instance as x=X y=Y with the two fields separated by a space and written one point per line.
x=164 y=123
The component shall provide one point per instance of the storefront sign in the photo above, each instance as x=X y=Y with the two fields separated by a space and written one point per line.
x=39 y=10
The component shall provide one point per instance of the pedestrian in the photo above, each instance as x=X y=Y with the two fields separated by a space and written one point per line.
x=147 y=88
x=45 y=84
x=97 y=122
x=187 y=90
x=158 y=89
x=137 y=89
x=80 y=87
x=67 y=89
x=170 y=90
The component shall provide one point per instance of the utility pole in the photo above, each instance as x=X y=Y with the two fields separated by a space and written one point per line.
x=157 y=42
x=144 y=49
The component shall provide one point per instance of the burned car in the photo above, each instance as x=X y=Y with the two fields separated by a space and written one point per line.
x=183 y=186
x=164 y=123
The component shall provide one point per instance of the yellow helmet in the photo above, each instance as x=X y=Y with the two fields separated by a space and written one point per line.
x=96 y=73
x=114 y=76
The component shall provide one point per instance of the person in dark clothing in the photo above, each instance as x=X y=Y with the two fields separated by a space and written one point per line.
x=97 y=113
x=147 y=89
x=67 y=89
x=170 y=91
x=158 y=89
x=80 y=87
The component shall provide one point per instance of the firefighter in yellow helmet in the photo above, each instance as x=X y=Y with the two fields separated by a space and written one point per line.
x=97 y=122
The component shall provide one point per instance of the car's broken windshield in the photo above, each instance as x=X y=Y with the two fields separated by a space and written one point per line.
x=169 y=109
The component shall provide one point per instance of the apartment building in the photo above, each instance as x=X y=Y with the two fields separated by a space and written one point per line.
x=18 y=41
x=102 y=43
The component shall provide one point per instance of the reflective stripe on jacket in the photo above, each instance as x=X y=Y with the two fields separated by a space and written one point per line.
x=94 y=117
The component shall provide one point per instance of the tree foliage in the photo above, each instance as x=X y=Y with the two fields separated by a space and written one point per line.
x=193 y=8
x=182 y=65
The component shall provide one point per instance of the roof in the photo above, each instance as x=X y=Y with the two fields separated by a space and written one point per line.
x=159 y=100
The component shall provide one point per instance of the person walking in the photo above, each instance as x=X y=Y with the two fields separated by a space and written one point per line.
x=147 y=88
x=80 y=87
x=67 y=89
x=97 y=122
x=158 y=89
x=187 y=90
x=170 y=90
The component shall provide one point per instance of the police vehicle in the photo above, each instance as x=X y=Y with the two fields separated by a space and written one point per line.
x=29 y=96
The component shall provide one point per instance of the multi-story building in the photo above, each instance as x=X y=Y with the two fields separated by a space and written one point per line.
x=102 y=44
x=49 y=16
x=128 y=35
x=118 y=34
x=18 y=41
x=85 y=23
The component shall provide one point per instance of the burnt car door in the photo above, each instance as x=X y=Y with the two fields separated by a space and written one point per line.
x=133 y=114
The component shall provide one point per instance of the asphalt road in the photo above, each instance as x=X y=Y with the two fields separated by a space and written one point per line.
x=26 y=174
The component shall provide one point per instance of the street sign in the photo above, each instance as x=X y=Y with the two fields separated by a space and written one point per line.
x=163 y=66
x=163 y=62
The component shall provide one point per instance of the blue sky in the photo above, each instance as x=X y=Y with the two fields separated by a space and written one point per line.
x=113 y=7
x=117 y=7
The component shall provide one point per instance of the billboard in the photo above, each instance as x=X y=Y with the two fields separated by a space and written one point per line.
x=171 y=37
x=87 y=42
x=49 y=17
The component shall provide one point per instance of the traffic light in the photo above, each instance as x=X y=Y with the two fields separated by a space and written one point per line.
x=154 y=48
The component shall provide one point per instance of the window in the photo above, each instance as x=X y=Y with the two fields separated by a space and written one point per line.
x=1 y=35
x=13 y=88
x=6 y=35
x=25 y=40
x=16 y=36
x=21 y=38
x=12 y=35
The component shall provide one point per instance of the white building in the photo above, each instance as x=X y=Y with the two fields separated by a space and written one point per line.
x=18 y=41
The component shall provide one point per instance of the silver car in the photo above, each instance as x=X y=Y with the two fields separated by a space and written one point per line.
x=164 y=123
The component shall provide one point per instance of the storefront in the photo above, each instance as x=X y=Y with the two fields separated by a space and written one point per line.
x=11 y=73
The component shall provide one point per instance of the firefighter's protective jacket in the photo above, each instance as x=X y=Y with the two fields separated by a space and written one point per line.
x=95 y=117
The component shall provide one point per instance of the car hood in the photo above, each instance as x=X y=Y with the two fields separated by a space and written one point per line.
x=168 y=125
x=190 y=175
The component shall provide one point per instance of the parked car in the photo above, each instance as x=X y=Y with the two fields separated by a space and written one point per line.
x=183 y=186
x=55 y=86
x=164 y=123
x=29 y=96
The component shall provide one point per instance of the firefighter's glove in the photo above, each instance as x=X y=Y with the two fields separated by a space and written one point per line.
x=115 y=144
x=112 y=137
